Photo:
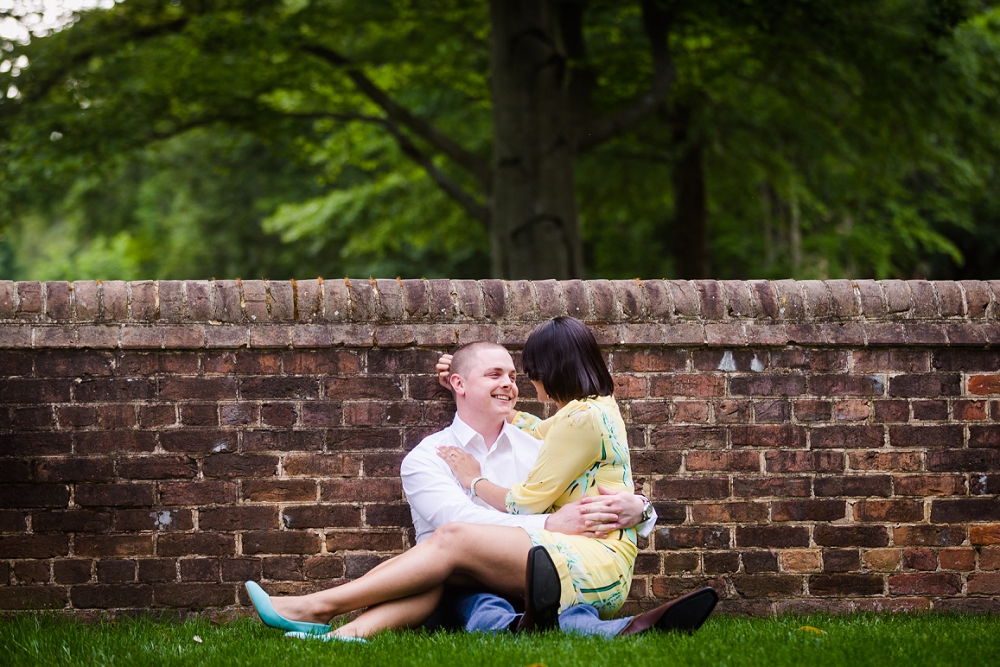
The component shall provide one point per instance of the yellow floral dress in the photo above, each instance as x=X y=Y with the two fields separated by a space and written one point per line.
x=584 y=446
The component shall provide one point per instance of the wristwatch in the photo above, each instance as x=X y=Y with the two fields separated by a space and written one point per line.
x=647 y=510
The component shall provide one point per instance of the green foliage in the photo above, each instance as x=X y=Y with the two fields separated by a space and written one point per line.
x=165 y=139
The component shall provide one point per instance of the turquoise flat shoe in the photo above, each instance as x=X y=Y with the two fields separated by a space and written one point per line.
x=262 y=603
x=325 y=638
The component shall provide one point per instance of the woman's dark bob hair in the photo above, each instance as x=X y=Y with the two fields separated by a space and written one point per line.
x=563 y=355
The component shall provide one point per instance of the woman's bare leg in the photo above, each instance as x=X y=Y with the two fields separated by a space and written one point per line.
x=409 y=612
x=494 y=556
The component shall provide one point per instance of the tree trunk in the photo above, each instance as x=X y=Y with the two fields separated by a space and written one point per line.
x=534 y=228
x=690 y=208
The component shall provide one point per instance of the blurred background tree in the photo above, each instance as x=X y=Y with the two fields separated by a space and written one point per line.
x=512 y=138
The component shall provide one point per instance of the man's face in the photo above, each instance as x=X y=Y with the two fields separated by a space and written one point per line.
x=489 y=388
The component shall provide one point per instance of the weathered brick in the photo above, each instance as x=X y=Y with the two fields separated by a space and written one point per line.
x=368 y=489
x=280 y=542
x=33 y=495
x=925 y=385
x=199 y=441
x=739 y=512
x=930 y=410
x=929 y=485
x=808 y=510
x=853 y=485
x=768 y=385
x=824 y=585
x=23 y=598
x=196 y=544
x=777 y=486
x=767 y=585
x=685 y=537
x=196 y=493
x=687 y=437
x=194 y=596
x=846 y=437
x=104 y=546
x=699 y=488
x=701 y=461
x=936 y=583
x=966 y=509
x=895 y=511
x=772 y=536
x=73 y=469
x=919 y=559
x=927 y=535
x=73 y=571
x=687 y=385
x=846 y=385
x=279 y=490
x=851 y=536
x=71 y=521
x=892 y=461
x=926 y=437
x=321 y=516
x=963 y=460
x=768 y=436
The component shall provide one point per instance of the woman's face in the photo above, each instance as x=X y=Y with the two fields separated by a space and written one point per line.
x=540 y=390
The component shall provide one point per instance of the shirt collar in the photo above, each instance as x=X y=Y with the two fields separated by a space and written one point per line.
x=465 y=434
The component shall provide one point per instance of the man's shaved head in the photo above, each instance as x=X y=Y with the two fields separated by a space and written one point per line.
x=464 y=358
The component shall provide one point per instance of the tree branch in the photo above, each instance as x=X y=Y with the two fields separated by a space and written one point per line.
x=410 y=150
x=476 y=166
x=656 y=23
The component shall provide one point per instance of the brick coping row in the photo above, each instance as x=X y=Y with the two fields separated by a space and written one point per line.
x=318 y=301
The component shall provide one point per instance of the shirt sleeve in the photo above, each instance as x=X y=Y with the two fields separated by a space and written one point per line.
x=572 y=445
x=646 y=527
x=433 y=492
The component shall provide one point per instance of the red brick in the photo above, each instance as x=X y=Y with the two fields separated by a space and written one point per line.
x=279 y=414
x=198 y=441
x=853 y=485
x=984 y=384
x=276 y=491
x=195 y=544
x=984 y=584
x=927 y=535
x=732 y=412
x=841 y=560
x=650 y=412
x=768 y=385
x=321 y=516
x=117 y=389
x=846 y=385
x=931 y=385
x=767 y=585
x=199 y=414
x=768 y=436
x=103 y=546
x=114 y=495
x=159 y=520
x=700 y=488
x=966 y=509
x=241 y=569
x=808 y=510
x=851 y=536
x=984 y=535
x=197 y=388
x=929 y=485
x=383 y=516
x=687 y=385
x=33 y=495
x=937 y=583
x=957 y=559
x=777 y=486
x=970 y=410
x=723 y=461
x=145 y=364
x=740 y=512
x=76 y=571
x=892 y=411
x=687 y=537
x=989 y=559
x=71 y=521
x=323 y=465
x=106 y=442
x=660 y=463
x=851 y=410
x=352 y=439
x=984 y=436
x=919 y=559
x=687 y=437
x=967 y=460
x=157 y=467
x=846 y=437
x=894 y=511
x=157 y=570
x=366 y=540
x=114 y=571
x=830 y=585
x=238 y=518
x=29 y=572
x=803 y=461
x=73 y=469
x=722 y=562
x=772 y=411
x=772 y=536
x=925 y=436
x=367 y=489
x=196 y=493
x=348 y=388
x=239 y=414
x=892 y=461
x=16 y=390
x=75 y=364
x=905 y=360
x=198 y=596
x=930 y=410
x=111 y=596
x=254 y=441
x=650 y=360
x=152 y=416
x=200 y=569
x=280 y=542
x=32 y=419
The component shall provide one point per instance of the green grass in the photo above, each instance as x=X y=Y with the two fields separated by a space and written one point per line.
x=913 y=641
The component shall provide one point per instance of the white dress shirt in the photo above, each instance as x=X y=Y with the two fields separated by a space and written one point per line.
x=436 y=497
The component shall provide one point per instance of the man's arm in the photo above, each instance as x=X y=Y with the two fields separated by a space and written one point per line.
x=612 y=510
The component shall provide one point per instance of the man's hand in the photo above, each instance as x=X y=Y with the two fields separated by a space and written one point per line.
x=610 y=511
x=443 y=369
x=569 y=520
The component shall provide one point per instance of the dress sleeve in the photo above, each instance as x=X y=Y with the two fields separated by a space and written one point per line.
x=572 y=445
x=534 y=426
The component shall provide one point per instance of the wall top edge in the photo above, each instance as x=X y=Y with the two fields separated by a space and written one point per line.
x=393 y=301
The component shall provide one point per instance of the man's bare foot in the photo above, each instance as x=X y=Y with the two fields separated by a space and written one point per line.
x=298 y=608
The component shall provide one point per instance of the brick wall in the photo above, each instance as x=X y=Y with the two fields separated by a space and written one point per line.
x=810 y=445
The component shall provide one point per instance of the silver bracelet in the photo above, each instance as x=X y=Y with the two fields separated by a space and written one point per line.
x=472 y=487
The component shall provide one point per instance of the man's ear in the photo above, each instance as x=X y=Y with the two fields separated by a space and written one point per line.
x=457 y=384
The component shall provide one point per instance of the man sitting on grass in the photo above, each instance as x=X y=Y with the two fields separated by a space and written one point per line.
x=481 y=377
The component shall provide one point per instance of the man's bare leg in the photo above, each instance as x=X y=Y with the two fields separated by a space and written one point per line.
x=409 y=612
x=493 y=556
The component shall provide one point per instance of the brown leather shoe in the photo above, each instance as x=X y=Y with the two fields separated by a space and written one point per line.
x=542 y=592
x=684 y=614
